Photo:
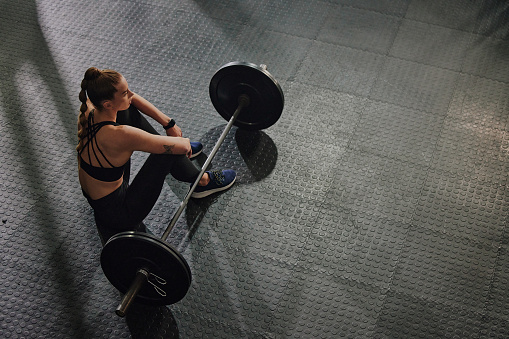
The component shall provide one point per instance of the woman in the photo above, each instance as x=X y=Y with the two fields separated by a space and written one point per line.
x=110 y=129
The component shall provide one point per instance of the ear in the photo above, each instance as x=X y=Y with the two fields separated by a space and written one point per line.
x=107 y=104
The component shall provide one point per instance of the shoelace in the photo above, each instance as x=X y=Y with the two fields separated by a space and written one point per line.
x=217 y=176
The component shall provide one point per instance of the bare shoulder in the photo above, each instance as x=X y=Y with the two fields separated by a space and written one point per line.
x=122 y=134
x=123 y=138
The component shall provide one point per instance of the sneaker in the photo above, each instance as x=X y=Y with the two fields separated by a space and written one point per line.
x=219 y=181
x=196 y=147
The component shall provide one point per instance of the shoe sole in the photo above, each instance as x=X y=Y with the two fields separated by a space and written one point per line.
x=204 y=194
x=194 y=155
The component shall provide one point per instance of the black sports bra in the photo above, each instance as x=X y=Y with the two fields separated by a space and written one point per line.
x=108 y=174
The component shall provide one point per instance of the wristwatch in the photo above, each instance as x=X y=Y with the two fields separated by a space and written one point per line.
x=171 y=123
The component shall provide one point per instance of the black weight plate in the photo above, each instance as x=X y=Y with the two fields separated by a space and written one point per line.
x=127 y=252
x=265 y=95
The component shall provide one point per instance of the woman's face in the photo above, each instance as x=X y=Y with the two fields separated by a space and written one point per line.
x=122 y=99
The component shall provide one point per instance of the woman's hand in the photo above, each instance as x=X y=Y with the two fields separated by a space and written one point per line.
x=174 y=131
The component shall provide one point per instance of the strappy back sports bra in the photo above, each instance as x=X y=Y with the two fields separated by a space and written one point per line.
x=108 y=174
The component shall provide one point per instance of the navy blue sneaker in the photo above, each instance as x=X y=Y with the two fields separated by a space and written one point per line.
x=196 y=147
x=219 y=181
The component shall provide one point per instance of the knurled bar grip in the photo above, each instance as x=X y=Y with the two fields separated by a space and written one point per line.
x=142 y=274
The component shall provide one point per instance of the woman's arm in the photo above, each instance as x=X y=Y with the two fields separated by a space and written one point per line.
x=152 y=111
x=127 y=139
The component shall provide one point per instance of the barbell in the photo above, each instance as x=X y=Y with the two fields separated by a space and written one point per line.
x=148 y=269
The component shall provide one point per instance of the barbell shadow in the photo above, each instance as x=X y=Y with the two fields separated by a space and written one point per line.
x=146 y=322
x=253 y=154
x=257 y=152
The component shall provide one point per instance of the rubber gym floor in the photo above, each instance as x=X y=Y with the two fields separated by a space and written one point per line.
x=376 y=207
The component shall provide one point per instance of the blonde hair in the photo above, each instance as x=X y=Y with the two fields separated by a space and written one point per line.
x=98 y=85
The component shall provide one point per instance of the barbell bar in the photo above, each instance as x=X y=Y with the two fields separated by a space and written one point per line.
x=148 y=269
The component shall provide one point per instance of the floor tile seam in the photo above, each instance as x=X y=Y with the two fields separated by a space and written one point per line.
x=284 y=288
x=368 y=96
x=453 y=238
x=434 y=151
x=463 y=73
x=294 y=273
x=249 y=254
x=341 y=279
x=303 y=82
x=395 y=160
x=187 y=242
x=464 y=122
x=435 y=300
x=471 y=45
x=478 y=125
x=292 y=78
x=391 y=156
x=244 y=328
x=382 y=288
x=468 y=241
x=385 y=59
x=274 y=189
x=459 y=72
x=463 y=173
x=322 y=24
x=426 y=299
x=353 y=94
x=388 y=157
x=362 y=285
x=388 y=55
x=448 y=116
x=397 y=264
x=492 y=282
x=392 y=56
x=349 y=47
x=473 y=31
x=313 y=38
x=300 y=62
x=372 y=10
x=470 y=31
x=319 y=138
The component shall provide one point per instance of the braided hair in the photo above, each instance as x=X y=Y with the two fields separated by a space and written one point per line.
x=98 y=85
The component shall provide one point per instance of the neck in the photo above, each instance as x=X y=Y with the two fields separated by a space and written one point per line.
x=105 y=115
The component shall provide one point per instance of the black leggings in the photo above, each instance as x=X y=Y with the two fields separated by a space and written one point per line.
x=126 y=207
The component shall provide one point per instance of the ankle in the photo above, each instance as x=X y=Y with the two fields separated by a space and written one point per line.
x=205 y=179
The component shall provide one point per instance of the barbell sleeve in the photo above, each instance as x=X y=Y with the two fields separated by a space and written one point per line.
x=140 y=279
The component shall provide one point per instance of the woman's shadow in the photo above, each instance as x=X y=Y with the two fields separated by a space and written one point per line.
x=252 y=154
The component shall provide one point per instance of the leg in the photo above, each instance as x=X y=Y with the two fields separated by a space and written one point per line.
x=133 y=117
x=148 y=183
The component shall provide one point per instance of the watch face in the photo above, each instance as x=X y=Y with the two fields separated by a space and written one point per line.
x=171 y=123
